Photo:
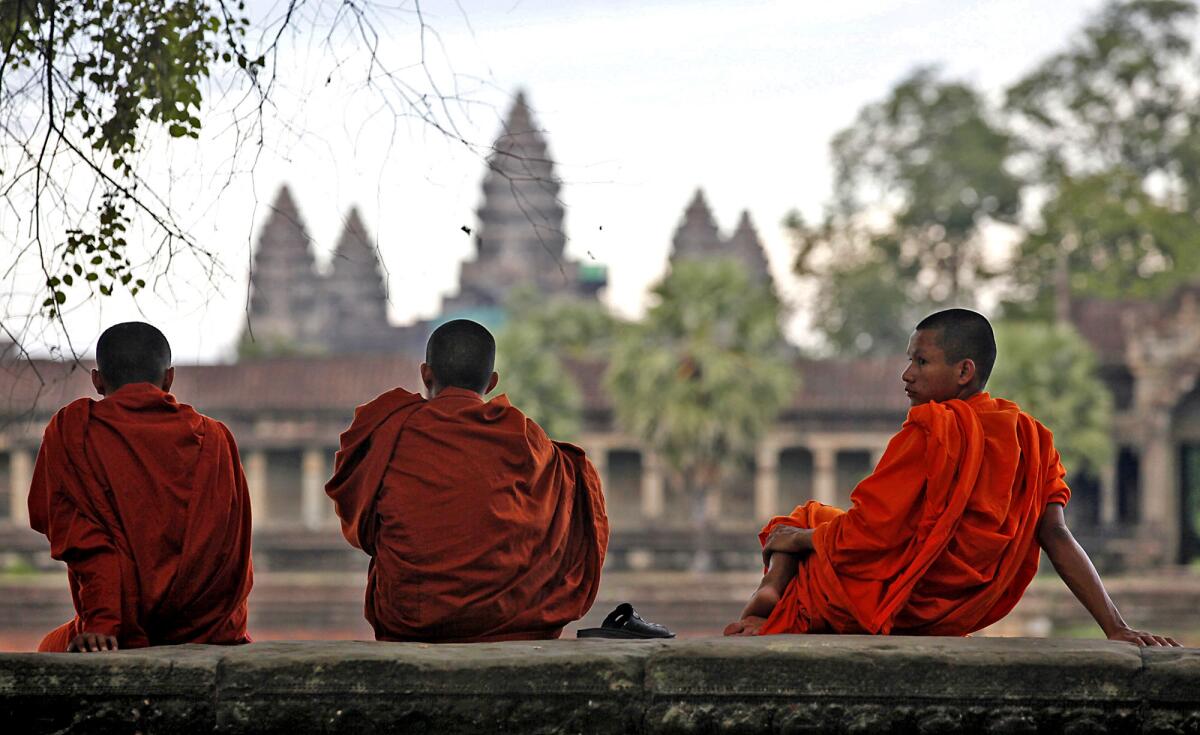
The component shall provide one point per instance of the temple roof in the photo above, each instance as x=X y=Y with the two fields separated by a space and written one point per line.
x=338 y=384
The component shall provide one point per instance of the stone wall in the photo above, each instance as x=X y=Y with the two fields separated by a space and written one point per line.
x=799 y=684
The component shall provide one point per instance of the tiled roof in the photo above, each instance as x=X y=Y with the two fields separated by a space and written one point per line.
x=870 y=385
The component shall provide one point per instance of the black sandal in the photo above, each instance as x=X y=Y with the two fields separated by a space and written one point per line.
x=624 y=622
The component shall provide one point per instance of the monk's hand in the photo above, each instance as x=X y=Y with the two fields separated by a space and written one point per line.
x=1140 y=637
x=788 y=540
x=92 y=643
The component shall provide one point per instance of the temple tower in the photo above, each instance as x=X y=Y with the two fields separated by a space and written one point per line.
x=520 y=238
x=284 y=286
x=697 y=238
x=355 y=302
x=746 y=247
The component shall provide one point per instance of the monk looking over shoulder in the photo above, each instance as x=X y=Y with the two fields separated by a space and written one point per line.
x=146 y=502
x=479 y=527
x=944 y=536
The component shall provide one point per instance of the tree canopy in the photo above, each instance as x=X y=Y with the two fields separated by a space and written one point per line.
x=703 y=375
x=1091 y=164
x=1051 y=370
x=536 y=349
x=917 y=178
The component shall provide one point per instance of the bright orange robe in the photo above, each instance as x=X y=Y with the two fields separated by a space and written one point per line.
x=479 y=527
x=146 y=502
x=940 y=538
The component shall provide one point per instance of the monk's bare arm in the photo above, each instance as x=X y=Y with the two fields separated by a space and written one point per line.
x=1077 y=571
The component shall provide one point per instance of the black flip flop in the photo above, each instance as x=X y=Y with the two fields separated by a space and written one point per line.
x=624 y=622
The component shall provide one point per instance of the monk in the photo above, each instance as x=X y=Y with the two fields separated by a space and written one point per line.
x=479 y=527
x=146 y=502
x=944 y=536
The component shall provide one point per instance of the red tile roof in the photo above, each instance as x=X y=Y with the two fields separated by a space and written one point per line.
x=336 y=385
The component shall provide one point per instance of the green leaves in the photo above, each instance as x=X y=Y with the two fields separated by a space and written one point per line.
x=1051 y=370
x=99 y=256
x=706 y=372
x=1106 y=134
x=118 y=68
x=537 y=339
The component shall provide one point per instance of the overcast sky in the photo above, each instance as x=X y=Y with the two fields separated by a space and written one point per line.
x=642 y=102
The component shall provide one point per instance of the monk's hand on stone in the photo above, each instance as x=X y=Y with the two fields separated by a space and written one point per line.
x=1141 y=638
x=92 y=643
x=786 y=539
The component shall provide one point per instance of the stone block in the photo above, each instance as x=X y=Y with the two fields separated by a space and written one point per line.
x=142 y=691
x=543 y=687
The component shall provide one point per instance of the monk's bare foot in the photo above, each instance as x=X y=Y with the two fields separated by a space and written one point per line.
x=749 y=625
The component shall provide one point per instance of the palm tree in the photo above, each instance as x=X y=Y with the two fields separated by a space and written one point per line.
x=702 y=377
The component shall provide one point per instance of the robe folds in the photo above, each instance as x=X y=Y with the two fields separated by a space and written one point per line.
x=941 y=539
x=479 y=527
x=145 y=500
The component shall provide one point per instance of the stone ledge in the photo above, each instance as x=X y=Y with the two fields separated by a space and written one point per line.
x=784 y=684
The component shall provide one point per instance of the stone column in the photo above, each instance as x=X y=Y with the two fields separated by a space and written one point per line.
x=599 y=459
x=652 y=486
x=1108 y=495
x=20 y=474
x=256 y=480
x=1160 y=494
x=314 y=504
x=824 y=474
x=766 y=483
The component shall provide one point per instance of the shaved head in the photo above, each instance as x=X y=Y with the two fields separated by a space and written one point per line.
x=964 y=334
x=462 y=354
x=132 y=352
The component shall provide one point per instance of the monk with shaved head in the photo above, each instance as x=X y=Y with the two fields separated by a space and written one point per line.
x=945 y=535
x=146 y=502
x=478 y=525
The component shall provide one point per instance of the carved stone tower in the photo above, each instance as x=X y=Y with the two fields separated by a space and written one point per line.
x=520 y=239
x=355 y=294
x=285 y=287
x=697 y=238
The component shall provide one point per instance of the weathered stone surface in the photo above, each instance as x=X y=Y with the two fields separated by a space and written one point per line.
x=339 y=686
x=787 y=684
x=144 y=691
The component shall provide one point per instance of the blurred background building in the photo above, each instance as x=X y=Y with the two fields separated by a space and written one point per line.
x=318 y=344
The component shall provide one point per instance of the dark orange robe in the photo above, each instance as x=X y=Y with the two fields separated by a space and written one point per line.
x=940 y=538
x=146 y=502
x=479 y=527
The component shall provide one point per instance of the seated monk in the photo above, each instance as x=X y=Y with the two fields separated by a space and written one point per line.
x=145 y=501
x=479 y=527
x=945 y=535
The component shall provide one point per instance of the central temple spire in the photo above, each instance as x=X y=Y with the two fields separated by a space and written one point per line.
x=520 y=240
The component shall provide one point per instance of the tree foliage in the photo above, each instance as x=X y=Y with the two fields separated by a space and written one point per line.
x=929 y=162
x=1121 y=96
x=102 y=73
x=1093 y=159
x=536 y=349
x=1109 y=238
x=1111 y=130
x=704 y=374
x=1050 y=369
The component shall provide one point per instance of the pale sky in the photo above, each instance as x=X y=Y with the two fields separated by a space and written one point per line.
x=642 y=102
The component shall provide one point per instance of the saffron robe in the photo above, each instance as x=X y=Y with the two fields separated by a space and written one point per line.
x=479 y=527
x=941 y=539
x=146 y=502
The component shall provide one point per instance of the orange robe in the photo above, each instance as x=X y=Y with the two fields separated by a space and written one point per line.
x=479 y=527
x=146 y=502
x=940 y=538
